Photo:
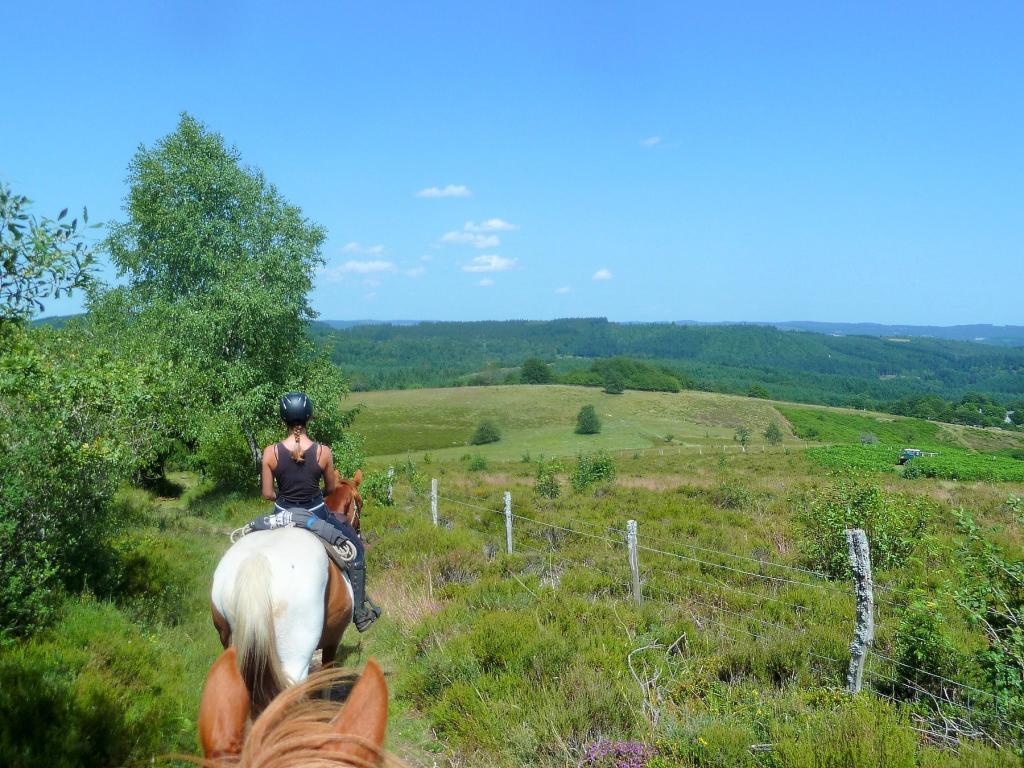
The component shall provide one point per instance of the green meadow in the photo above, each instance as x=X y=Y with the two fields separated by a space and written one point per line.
x=541 y=419
x=540 y=657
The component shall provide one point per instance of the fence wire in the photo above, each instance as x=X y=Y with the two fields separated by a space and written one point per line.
x=674 y=601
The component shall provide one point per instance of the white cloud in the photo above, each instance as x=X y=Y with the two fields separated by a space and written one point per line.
x=373 y=266
x=486 y=282
x=491 y=225
x=603 y=274
x=563 y=290
x=651 y=141
x=369 y=250
x=450 y=190
x=471 y=238
x=426 y=257
x=415 y=272
x=370 y=296
x=490 y=263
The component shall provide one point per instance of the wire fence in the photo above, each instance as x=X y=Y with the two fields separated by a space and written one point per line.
x=970 y=719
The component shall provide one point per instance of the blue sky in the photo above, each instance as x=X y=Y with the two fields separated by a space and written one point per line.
x=640 y=161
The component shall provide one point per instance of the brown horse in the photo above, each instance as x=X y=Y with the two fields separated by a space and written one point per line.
x=297 y=730
x=245 y=582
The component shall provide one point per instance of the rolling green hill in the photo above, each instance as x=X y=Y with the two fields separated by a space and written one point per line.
x=804 y=367
x=540 y=419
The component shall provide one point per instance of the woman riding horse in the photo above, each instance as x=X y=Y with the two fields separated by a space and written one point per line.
x=297 y=470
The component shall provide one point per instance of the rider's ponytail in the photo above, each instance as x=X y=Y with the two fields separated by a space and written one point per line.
x=297 y=456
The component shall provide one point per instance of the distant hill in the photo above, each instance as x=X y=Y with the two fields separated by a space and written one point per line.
x=791 y=365
x=342 y=324
x=1001 y=335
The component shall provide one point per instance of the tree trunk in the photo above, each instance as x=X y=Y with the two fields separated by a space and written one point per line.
x=254 y=449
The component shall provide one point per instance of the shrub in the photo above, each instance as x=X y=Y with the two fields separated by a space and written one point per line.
x=587 y=421
x=922 y=649
x=349 y=454
x=547 y=484
x=742 y=435
x=536 y=371
x=757 y=390
x=476 y=463
x=614 y=382
x=773 y=434
x=223 y=452
x=486 y=432
x=894 y=525
x=590 y=469
x=861 y=733
x=375 y=486
x=993 y=597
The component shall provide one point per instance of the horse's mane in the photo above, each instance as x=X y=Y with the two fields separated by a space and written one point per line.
x=293 y=729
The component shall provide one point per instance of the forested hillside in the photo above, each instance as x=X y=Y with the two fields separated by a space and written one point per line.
x=810 y=367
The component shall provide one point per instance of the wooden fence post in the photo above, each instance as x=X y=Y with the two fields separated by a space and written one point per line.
x=433 y=499
x=864 y=629
x=508 y=521
x=634 y=560
x=391 y=485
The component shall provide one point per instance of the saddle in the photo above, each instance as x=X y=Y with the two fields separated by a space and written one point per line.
x=339 y=549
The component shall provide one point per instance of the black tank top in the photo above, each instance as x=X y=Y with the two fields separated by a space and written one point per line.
x=298 y=484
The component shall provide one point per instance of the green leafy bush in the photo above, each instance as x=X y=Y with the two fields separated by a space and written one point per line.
x=895 y=525
x=922 y=648
x=587 y=421
x=375 y=486
x=993 y=597
x=69 y=422
x=547 y=484
x=476 y=463
x=536 y=371
x=486 y=432
x=773 y=433
x=590 y=469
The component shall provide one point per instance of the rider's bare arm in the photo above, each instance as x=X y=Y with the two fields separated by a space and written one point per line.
x=327 y=465
x=267 y=473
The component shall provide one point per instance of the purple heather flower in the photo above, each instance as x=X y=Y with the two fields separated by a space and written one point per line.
x=605 y=753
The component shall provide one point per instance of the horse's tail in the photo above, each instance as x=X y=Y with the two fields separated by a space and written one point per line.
x=253 y=632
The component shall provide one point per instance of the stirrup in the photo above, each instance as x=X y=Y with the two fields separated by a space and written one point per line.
x=346 y=550
x=368 y=614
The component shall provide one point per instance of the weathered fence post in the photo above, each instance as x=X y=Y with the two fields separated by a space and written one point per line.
x=433 y=499
x=864 y=630
x=508 y=521
x=391 y=485
x=634 y=560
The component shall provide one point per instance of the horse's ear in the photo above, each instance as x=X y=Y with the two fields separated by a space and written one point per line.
x=224 y=708
x=357 y=478
x=363 y=719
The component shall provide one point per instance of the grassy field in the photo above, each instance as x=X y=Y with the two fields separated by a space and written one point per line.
x=541 y=657
x=541 y=419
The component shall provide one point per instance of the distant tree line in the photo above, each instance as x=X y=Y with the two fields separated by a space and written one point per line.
x=757 y=361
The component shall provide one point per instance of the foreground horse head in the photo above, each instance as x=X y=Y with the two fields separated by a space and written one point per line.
x=296 y=730
x=345 y=500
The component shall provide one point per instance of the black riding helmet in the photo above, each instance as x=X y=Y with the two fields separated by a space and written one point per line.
x=296 y=408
